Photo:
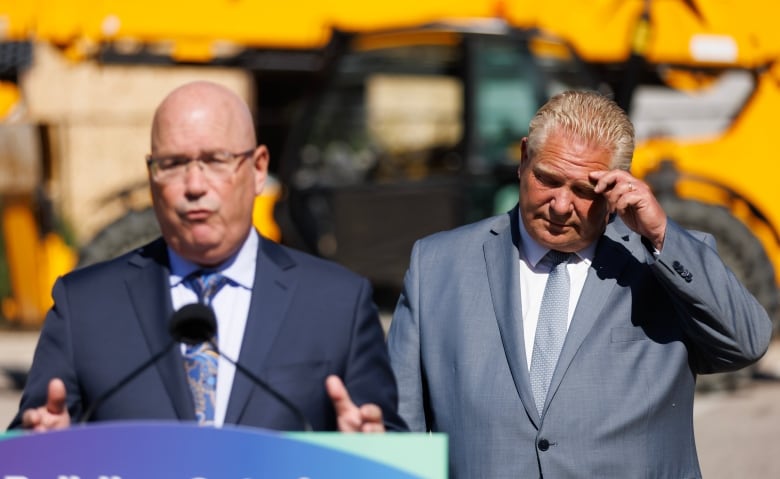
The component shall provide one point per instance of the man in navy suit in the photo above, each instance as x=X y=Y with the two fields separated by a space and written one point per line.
x=306 y=326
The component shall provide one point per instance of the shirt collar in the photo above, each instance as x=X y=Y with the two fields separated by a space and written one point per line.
x=534 y=252
x=239 y=268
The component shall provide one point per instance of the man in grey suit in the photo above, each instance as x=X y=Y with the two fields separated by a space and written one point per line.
x=648 y=307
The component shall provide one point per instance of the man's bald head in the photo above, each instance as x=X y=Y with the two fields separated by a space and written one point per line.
x=192 y=101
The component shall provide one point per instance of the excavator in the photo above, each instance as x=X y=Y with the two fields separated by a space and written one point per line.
x=415 y=130
x=403 y=119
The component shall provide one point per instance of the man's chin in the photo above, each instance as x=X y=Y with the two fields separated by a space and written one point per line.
x=557 y=240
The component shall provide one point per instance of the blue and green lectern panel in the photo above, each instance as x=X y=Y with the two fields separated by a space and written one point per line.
x=147 y=450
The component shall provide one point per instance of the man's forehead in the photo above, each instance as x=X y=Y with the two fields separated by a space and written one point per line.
x=200 y=133
x=563 y=154
x=548 y=165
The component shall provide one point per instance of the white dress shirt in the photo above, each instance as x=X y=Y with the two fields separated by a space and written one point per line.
x=230 y=304
x=533 y=278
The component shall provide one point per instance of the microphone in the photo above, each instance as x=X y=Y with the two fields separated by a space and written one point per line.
x=195 y=323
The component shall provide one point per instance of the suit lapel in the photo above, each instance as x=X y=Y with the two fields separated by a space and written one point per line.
x=150 y=295
x=503 y=270
x=272 y=292
x=610 y=260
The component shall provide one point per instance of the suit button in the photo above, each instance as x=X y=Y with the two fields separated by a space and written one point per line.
x=677 y=267
x=544 y=445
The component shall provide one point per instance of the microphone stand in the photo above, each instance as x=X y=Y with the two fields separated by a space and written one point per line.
x=292 y=407
x=97 y=402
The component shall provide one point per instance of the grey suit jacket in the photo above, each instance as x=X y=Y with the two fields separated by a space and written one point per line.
x=308 y=318
x=620 y=404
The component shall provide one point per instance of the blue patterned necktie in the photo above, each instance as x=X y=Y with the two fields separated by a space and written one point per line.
x=201 y=360
x=551 y=327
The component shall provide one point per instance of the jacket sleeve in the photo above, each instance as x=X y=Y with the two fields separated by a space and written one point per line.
x=727 y=327
x=369 y=377
x=404 y=346
x=53 y=358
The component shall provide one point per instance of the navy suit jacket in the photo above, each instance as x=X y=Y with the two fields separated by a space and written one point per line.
x=308 y=318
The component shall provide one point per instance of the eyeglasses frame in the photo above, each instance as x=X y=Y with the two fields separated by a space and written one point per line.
x=153 y=162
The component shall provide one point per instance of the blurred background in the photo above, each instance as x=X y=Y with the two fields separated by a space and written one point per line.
x=385 y=122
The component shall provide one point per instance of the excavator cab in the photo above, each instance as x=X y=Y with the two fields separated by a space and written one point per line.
x=412 y=132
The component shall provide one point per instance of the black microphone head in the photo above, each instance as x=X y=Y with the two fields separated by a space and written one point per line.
x=193 y=324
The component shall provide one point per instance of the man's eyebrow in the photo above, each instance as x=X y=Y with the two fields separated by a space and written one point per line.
x=541 y=168
x=585 y=185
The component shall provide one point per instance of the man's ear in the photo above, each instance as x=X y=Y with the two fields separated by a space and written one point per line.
x=523 y=150
x=523 y=155
x=260 y=159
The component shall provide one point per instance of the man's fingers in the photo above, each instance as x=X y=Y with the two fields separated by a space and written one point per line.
x=609 y=181
x=30 y=419
x=371 y=416
x=342 y=403
x=53 y=415
x=599 y=186
x=371 y=412
x=370 y=427
x=55 y=402
x=366 y=418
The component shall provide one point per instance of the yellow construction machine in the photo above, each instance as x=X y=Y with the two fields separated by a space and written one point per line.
x=399 y=119
x=414 y=130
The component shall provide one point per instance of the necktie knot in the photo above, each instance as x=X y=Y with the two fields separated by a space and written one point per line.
x=205 y=284
x=558 y=257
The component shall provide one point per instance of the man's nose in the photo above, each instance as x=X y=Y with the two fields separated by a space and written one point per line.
x=195 y=177
x=561 y=203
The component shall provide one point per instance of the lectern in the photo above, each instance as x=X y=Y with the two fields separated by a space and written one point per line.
x=171 y=450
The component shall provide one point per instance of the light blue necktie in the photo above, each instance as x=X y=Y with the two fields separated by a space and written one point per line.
x=551 y=327
x=201 y=360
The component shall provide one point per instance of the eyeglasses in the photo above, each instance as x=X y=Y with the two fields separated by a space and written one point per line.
x=214 y=164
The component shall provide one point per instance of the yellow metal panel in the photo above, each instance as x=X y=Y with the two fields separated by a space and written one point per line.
x=9 y=98
x=34 y=263
x=263 y=212
x=17 y=18
x=742 y=159
x=24 y=259
x=200 y=24
x=599 y=30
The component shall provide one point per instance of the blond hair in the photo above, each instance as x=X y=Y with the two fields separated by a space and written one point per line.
x=589 y=116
